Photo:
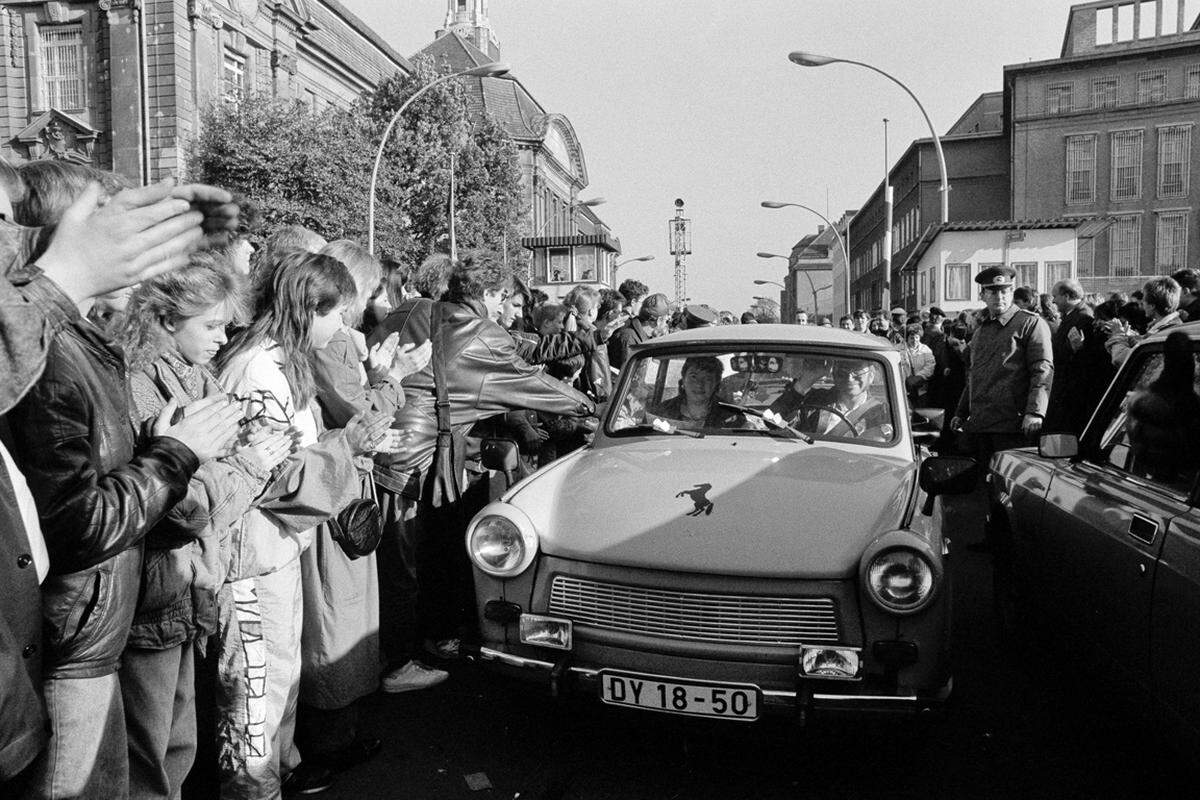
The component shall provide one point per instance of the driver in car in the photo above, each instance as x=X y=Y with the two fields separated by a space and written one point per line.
x=846 y=409
x=697 y=405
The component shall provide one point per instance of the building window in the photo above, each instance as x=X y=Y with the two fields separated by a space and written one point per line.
x=1027 y=274
x=922 y=297
x=1191 y=83
x=1104 y=93
x=1151 y=87
x=1170 y=240
x=233 y=76
x=63 y=72
x=1057 y=271
x=1058 y=98
x=585 y=264
x=1174 y=160
x=559 y=268
x=1126 y=165
x=1124 y=244
x=958 y=281
x=1081 y=169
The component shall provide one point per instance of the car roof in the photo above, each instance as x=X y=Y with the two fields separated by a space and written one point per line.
x=1192 y=329
x=746 y=337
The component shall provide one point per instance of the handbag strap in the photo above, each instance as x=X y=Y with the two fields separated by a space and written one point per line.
x=438 y=360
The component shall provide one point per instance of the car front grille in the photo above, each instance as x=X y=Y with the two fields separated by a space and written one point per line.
x=731 y=618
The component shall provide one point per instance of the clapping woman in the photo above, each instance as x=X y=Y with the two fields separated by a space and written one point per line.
x=176 y=324
x=267 y=366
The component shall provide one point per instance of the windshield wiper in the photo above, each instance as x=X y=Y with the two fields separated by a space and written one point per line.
x=774 y=422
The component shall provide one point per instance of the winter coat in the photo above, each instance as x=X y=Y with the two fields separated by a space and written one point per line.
x=310 y=487
x=1010 y=373
x=98 y=495
x=340 y=638
x=484 y=377
x=187 y=553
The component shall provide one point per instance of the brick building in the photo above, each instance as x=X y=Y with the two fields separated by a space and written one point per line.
x=121 y=84
x=1106 y=130
x=976 y=151
x=569 y=242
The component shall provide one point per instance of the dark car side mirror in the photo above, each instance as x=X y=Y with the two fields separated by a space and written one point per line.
x=1058 y=445
x=500 y=455
x=941 y=475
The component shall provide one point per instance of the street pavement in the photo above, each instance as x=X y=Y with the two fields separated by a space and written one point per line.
x=1019 y=726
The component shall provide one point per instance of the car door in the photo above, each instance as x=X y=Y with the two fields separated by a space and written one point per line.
x=1175 y=624
x=1101 y=533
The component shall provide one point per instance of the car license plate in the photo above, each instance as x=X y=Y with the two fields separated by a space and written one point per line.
x=696 y=698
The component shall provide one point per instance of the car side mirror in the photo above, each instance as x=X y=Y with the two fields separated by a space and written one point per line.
x=1058 y=445
x=500 y=455
x=941 y=475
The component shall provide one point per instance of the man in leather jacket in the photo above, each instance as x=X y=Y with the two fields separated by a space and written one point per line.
x=95 y=497
x=483 y=376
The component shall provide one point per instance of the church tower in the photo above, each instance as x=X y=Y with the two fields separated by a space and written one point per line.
x=468 y=18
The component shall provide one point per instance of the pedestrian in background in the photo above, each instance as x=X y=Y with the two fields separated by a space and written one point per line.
x=1159 y=304
x=1082 y=369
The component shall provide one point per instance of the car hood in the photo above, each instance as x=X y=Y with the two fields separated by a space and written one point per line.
x=726 y=505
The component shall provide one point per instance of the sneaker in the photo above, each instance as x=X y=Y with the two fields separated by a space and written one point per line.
x=445 y=649
x=308 y=778
x=412 y=677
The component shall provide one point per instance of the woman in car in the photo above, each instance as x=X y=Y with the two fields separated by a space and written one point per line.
x=696 y=406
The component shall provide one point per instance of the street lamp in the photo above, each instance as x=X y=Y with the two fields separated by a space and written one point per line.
x=493 y=70
x=591 y=202
x=832 y=227
x=808 y=277
x=814 y=60
x=772 y=283
x=628 y=260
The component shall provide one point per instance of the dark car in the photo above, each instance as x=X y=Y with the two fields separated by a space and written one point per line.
x=1098 y=542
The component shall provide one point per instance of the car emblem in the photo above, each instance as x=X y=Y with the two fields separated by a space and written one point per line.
x=698 y=495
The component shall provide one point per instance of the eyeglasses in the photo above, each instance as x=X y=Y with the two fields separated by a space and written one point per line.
x=843 y=373
x=262 y=404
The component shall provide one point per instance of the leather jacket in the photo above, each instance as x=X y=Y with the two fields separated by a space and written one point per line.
x=484 y=377
x=97 y=494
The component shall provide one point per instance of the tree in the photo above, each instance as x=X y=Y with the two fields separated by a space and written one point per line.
x=314 y=169
x=436 y=131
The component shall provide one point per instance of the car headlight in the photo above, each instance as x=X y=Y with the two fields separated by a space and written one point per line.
x=900 y=579
x=501 y=543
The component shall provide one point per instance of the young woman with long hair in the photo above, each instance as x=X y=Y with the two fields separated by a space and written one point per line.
x=175 y=326
x=267 y=367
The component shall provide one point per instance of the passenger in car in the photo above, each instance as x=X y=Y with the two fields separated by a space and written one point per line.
x=696 y=406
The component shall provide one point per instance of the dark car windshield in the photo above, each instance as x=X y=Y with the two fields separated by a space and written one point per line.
x=727 y=392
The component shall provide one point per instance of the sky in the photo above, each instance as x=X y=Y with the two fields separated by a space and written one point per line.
x=696 y=99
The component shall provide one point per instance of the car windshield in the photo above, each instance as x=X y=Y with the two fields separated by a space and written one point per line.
x=713 y=391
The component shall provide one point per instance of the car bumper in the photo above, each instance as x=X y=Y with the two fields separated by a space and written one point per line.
x=562 y=676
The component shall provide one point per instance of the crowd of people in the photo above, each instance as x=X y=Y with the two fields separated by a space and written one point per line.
x=237 y=475
x=235 y=478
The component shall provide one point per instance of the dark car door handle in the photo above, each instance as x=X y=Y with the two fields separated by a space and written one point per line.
x=1143 y=528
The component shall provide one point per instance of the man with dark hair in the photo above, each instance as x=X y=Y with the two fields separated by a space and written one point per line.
x=1082 y=370
x=1188 y=279
x=635 y=292
x=421 y=497
x=1160 y=301
x=935 y=339
x=650 y=318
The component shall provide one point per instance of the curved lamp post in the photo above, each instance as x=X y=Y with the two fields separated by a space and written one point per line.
x=813 y=60
x=591 y=202
x=630 y=260
x=807 y=277
x=493 y=70
x=832 y=227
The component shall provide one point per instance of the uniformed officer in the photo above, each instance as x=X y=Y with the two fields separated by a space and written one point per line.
x=699 y=316
x=1010 y=373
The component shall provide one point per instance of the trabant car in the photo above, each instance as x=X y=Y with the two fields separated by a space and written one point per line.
x=1098 y=547
x=756 y=528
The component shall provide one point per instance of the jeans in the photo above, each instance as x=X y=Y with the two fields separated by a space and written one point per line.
x=258 y=644
x=87 y=756
x=159 y=689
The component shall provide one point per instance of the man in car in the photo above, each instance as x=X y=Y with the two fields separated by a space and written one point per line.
x=846 y=409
